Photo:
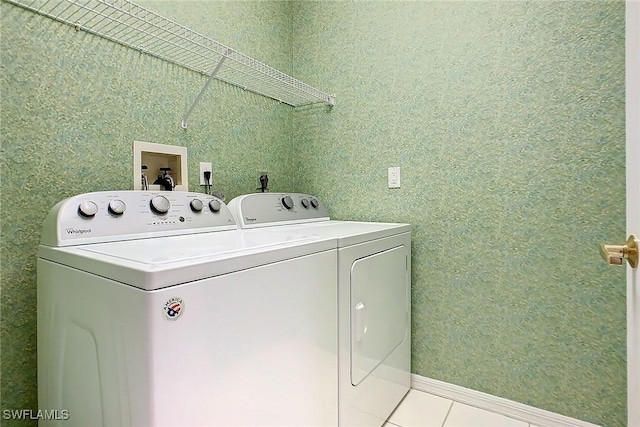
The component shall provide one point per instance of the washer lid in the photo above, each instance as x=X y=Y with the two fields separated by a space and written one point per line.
x=160 y=262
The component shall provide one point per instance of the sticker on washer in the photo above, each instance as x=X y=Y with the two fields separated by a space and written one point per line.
x=173 y=308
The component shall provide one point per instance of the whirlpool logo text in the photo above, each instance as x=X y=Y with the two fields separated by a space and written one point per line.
x=78 y=230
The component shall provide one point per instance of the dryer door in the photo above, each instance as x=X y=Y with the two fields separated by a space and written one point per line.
x=378 y=309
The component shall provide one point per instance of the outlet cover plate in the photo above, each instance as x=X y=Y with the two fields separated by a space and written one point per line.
x=204 y=166
x=394 y=177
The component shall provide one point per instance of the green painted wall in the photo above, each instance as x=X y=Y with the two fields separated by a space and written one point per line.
x=72 y=105
x=507 y=119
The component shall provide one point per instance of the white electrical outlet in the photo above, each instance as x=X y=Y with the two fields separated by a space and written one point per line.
x=205 y=167
x=394 y=177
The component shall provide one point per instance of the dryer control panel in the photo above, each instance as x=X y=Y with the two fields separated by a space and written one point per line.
x=268 y=209
x=109 y=216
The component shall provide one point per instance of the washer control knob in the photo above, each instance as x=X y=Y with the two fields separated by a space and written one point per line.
x=305 y=203
x=214 y=205
x=160 y=204
x=287 y=202
x=196 y=205
x=117 y=207
x=87 y=209
x=314 y=203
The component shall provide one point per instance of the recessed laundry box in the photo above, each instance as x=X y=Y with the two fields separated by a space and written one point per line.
x=159 y=167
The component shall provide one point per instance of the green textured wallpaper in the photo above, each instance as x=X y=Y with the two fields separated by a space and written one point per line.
x=72 y=105
x=507 y=119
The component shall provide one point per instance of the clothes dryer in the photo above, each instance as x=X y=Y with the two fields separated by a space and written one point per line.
x=374 y=298
x=155 y=310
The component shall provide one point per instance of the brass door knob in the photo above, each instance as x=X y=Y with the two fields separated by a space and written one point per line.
x=614 y=254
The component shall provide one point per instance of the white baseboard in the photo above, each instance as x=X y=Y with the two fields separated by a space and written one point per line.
x=519 y=411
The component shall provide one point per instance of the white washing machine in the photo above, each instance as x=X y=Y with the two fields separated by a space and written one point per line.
x=155 y=310
x=374 y=298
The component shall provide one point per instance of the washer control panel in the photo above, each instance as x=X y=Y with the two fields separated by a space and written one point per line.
x=124 y=215
x=267 y=209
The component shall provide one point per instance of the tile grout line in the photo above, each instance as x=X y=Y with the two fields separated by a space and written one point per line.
x=448 y=412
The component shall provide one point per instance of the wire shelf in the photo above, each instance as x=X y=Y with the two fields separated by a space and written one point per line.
x=131 y=25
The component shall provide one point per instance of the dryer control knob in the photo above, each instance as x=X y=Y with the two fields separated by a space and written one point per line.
x=160 y=204
x=117 y=207
x=287 y=202
x=196 y=205
x=87 y=209
x=214 y=205
x=314 y=203
x=305 y=203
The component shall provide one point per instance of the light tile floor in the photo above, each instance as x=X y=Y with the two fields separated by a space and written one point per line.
x=420 y=409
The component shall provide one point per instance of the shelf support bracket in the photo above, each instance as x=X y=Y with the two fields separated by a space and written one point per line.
x=206 y=85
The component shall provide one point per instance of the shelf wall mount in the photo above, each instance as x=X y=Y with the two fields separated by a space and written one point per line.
x=204 y=89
